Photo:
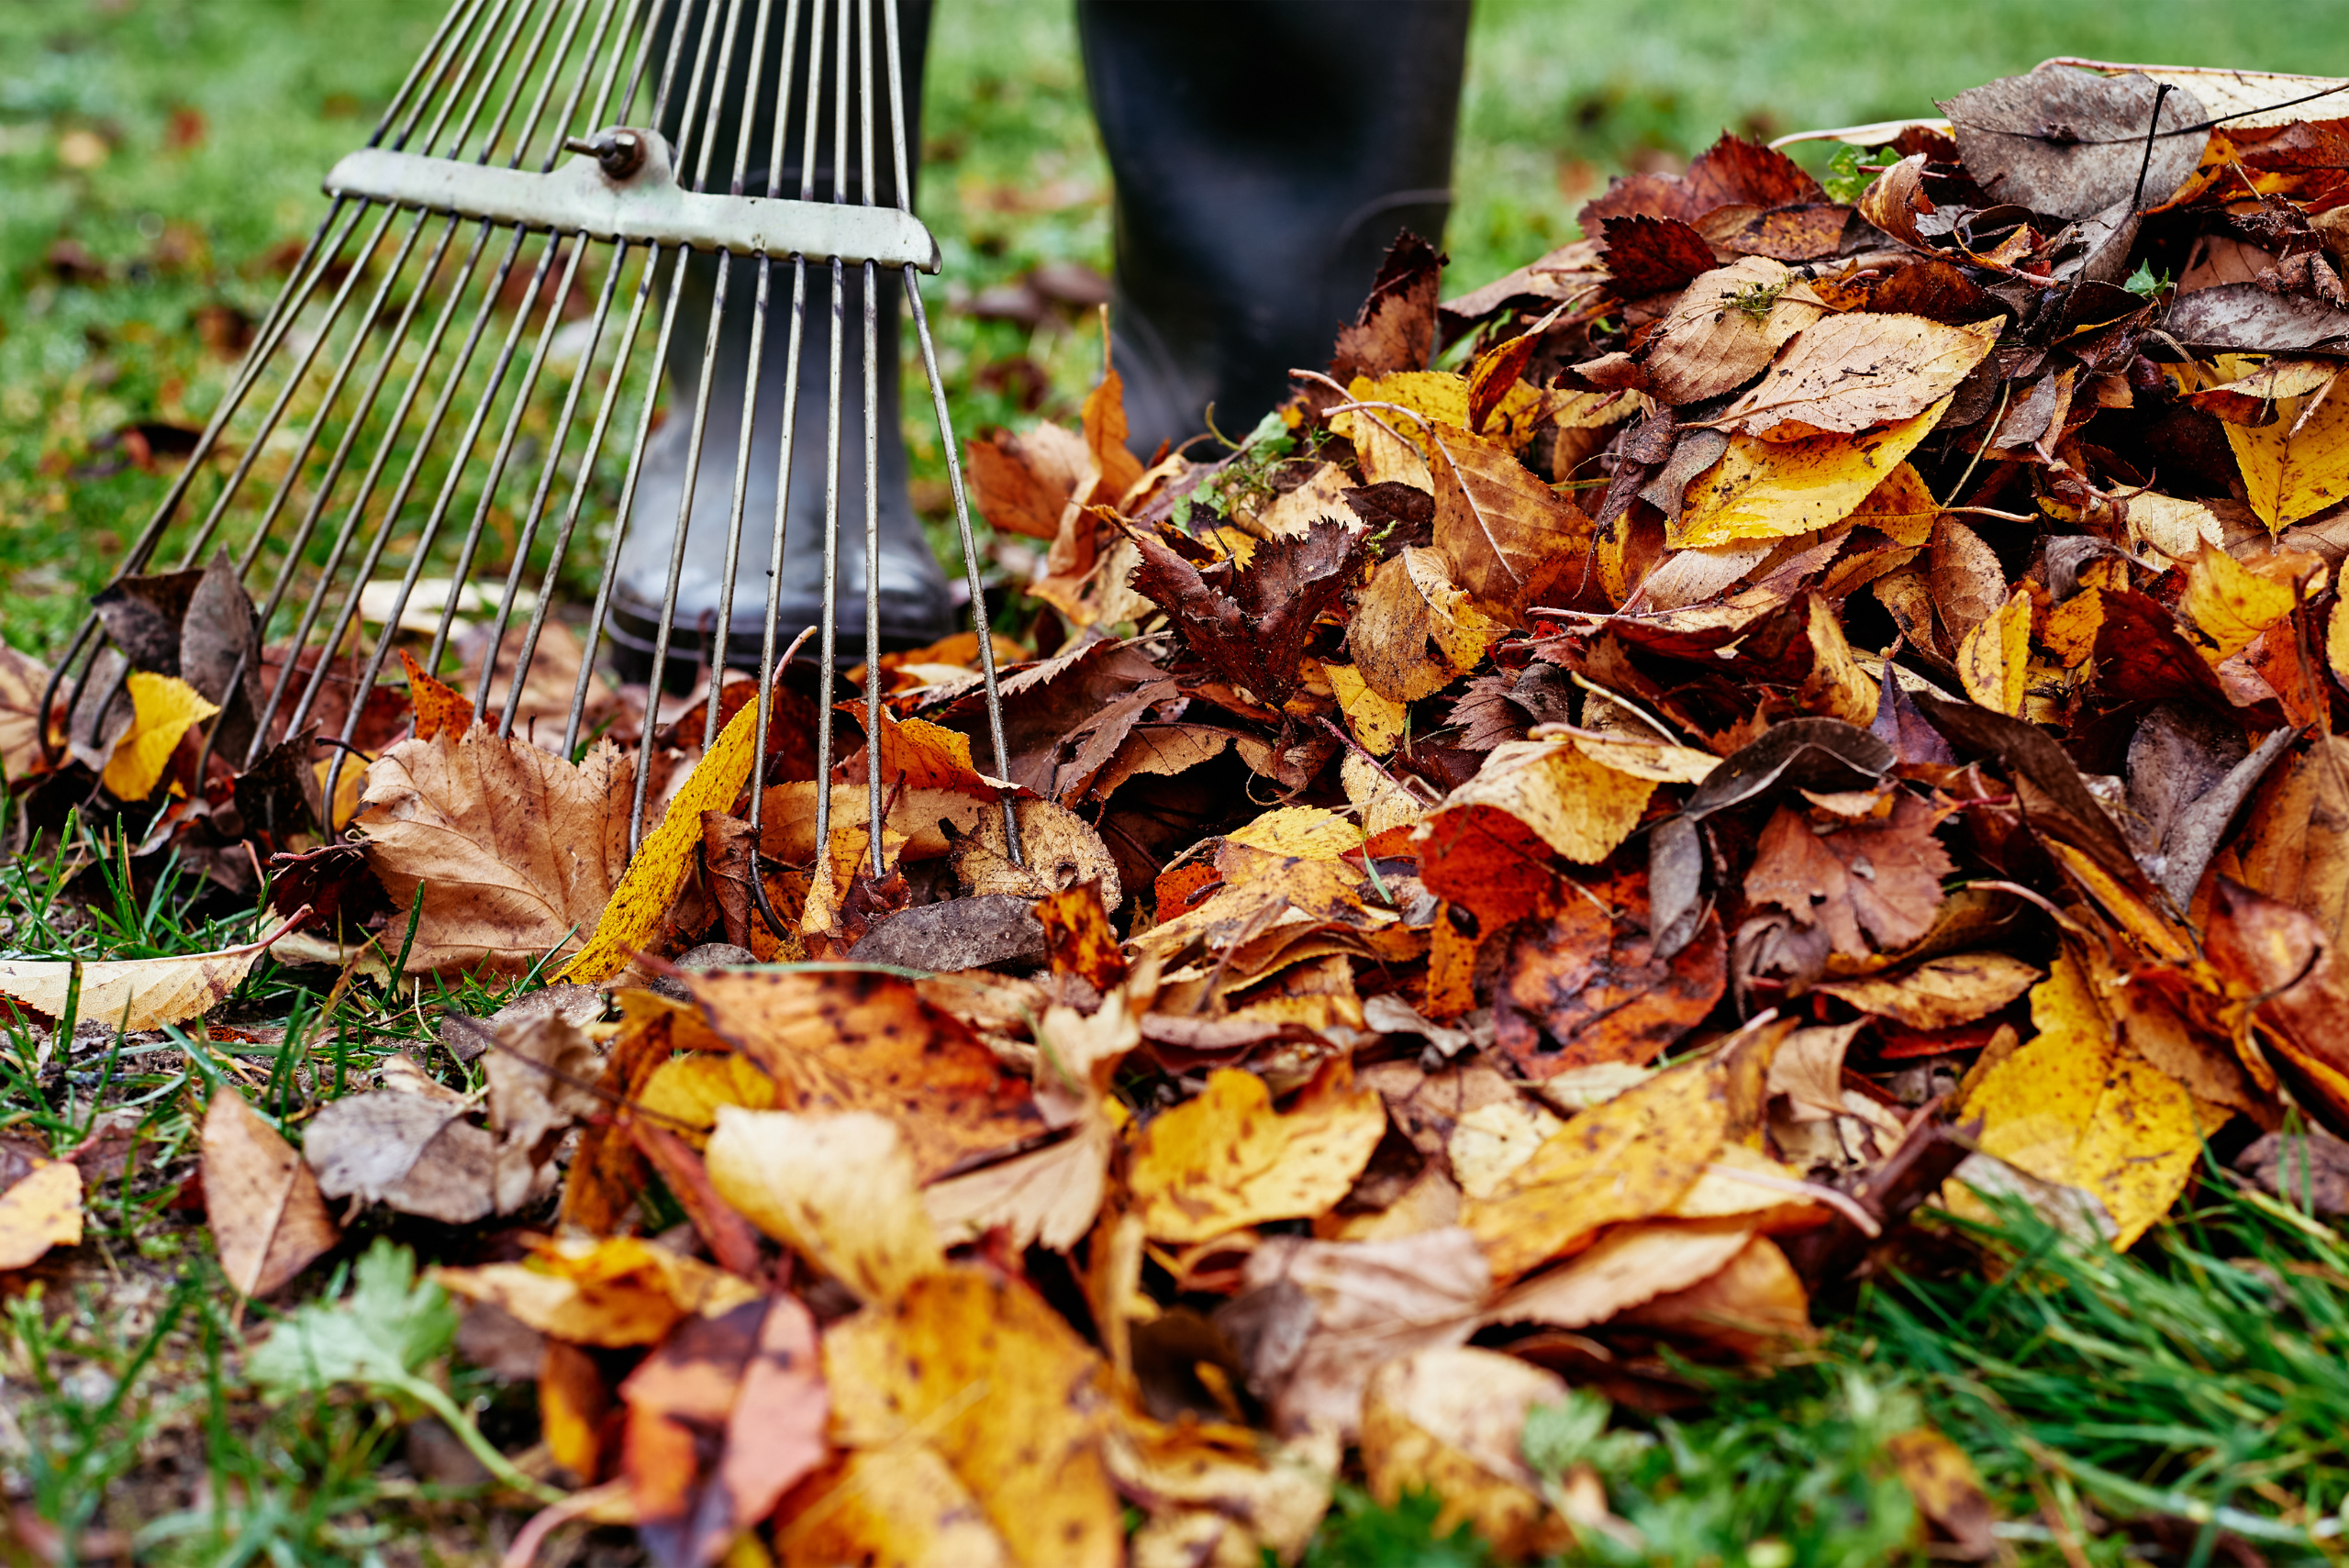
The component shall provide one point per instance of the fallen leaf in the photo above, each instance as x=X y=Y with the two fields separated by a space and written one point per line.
x=1726 y=326
x=1587 y=985
x=1994 y=660
x=1940 y=993
x=2078 y=1106
x=1447 y=1421
x=1228 y=1160
x=1307 y=832
x=1848 y=372
x=40 y=1210
x=840 y=1190
x=747 y=1386
x=413 y=1152
x=1779 y=489
x=1754 y=1305
x=440 y=709
x=1510 y=541
x=663 y=862
x=164 y=708
x=889 y=1507
x=133 y=994
x=1580 y=808
x=516 y=851
x=268 y=1220
x=1317 y=1318
x=977 y=1367
x=842 y=1041
x=1251 y=624
x=1628 y=1267
x=1048 y=1197
x=1626 y=1159
x=22 y=730
x=612 y=1293
x=1881 y=873
x=1415 y=632
x=1942 y=1480
x=2073 y=142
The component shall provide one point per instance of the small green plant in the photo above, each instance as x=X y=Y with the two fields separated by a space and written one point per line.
x=380 y=1338
x=1851 y=171
x=2146 y=281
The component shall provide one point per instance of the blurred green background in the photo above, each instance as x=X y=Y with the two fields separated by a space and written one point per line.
x=156 y=157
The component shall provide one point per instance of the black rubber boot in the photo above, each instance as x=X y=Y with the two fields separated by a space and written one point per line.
x=1266 y=154
x=915 y=606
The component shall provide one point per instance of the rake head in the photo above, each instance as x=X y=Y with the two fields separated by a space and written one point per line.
x=417 y=384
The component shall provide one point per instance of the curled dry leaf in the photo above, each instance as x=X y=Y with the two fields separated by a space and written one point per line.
x=1629 y=1266
x=1940 y=993
x=1511 y=542
x=1317 y=1318
x=1251 y=624
x=1228 y=1160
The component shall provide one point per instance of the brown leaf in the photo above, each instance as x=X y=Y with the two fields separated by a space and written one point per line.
x=516 y=851
x=865 y=1041
x=2274 y=951
x=1630 y=1266
x=1725 y=329
x=1511 y=542
x=22 y=680
x=1319 y=1316
x=1021 y=483
x=268 y=1220
x=1251 y=624
x=1730 y=171
x=723 y=1418
x=1647 y=255
x=412 y=1152
x=1848 y=372
x=1585 y=986
x=1396 y=331
x=1940 y=992
x=1415 y=632
x=1449 y=1421
x=1883 y=874
x=2071 y=142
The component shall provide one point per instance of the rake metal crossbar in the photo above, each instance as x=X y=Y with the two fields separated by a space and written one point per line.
x=489 y=205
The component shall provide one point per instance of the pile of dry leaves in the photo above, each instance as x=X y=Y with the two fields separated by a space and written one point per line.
x=1882 y=657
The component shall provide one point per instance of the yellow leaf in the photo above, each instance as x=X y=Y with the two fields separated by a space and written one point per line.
x=2298 y=464
x=1227 y=1160
x=1305 y=832
x=977 y=1367
x=838 y=1189
x=1779 y=489
x=1414 y=632
x=1942 y=1480
x=132 y=993
x=1629 y=1158
x=42 y=1211
x=2230 y=603
x=1994 y=662
x=691 y=1088
x=1511 y=541
x=1940 y=992
x=1382 y=443
x=615 y=1292
x=162 y=708
x=1581 y=808
x=1383 y=803
x=2078 y=1106
x=1901 y=509
x=666 y=856
x=890 y=1508
x=1377 y=721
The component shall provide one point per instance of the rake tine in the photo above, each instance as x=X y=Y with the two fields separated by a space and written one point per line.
x=768 y=664
x=830 y=617
x=986 y=633
x=871 y=462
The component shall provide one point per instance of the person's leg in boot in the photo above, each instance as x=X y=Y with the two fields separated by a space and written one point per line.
x=1266 y=153
x=915 y=603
